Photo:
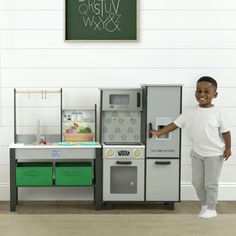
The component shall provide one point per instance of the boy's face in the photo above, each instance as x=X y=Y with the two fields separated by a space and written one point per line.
x=204 y=93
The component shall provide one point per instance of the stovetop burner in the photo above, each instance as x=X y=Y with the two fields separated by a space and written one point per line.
x=120 y=143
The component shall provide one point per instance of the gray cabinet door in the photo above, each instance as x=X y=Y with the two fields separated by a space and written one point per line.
x=162 y=180
x=163 y=107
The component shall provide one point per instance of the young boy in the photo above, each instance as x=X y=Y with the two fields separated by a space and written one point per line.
x=209 y=133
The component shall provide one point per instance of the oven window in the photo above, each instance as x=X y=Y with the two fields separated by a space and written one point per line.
x=123 y=179
x=119 y=99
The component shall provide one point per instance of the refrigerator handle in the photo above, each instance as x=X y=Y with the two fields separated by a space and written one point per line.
x=149 y=129
x=162 y=162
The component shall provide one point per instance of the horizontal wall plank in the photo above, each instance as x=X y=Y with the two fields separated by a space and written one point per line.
x=120 y=58
x=196 y=39
x=227 y=174
x=4 y=154
x=187 y=4
x=4 y=174
x=32 y=19
x=88 y=96
x=147 y=19
x=186 y=159
x=32 y=4
x=90 y=77
x=80 y=97
x=187 y=20
x=6 y=135
x=224 y=97
x=143 y=4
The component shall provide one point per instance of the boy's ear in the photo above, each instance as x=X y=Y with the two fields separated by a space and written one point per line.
x=216 y=94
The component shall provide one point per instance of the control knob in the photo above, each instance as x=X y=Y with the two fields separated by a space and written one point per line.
x=110 y=152
x=137 y=153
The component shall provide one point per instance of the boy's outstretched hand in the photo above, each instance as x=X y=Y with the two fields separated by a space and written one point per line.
x=153 y=132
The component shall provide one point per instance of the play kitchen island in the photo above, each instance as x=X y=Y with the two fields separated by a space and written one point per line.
x=55 y=165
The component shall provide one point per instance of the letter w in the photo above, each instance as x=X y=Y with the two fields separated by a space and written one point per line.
x=88 y=21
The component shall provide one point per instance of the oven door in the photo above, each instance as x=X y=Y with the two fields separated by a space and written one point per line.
x=123 y=180
x=122 y=100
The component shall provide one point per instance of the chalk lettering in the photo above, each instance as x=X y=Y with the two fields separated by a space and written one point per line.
x=88 y=21
x=83 y=9
x=116 y=8
x=101 y=15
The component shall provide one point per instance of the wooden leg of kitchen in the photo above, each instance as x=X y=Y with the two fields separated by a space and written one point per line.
x=98 y=180
x=108 y=205
x=16 y=195
x=13 y=188
x=170 y=205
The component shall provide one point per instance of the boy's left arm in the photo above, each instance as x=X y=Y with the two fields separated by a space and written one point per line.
x=227 y=140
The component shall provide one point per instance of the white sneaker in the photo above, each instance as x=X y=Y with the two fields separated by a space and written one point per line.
x=207 y=214
x=203 y=208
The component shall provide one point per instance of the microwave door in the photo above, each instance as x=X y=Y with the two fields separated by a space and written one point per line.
x=119 y=99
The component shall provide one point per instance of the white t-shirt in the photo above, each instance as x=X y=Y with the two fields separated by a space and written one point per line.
x=204 y=127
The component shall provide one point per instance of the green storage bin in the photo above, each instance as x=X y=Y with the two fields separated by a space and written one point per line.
x=73 y=173
x=34 y=174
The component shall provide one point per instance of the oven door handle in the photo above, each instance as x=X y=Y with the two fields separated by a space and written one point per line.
x=162 y=162
x=124 y=162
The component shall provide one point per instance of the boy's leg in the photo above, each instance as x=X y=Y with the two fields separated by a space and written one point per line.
x=213 y=166
x=198 y=177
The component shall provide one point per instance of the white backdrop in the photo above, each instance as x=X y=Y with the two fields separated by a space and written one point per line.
x=179 y=41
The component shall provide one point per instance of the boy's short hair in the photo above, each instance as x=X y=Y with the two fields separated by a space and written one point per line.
x=208 y=79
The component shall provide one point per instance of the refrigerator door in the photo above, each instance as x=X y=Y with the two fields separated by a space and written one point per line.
x=162 y=180
x=163 y=107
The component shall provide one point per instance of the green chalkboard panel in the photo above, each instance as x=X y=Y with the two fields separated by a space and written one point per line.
x=101 y=19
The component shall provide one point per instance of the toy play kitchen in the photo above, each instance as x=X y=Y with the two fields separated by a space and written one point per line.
x=130 y=166
x=63 y=153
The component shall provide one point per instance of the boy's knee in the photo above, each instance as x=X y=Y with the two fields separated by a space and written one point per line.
x=198 y=185
x=211 y=186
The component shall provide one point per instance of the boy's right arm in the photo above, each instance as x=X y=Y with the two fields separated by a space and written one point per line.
x=167 y=129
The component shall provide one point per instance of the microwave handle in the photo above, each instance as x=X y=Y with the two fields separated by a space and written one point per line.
x=138 y=100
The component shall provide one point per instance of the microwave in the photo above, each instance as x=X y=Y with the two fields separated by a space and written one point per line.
x=121 y=99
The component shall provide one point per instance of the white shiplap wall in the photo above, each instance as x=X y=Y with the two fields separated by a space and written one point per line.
x=179 y=41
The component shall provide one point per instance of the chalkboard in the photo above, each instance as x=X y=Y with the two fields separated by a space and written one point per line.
x=101 y=19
